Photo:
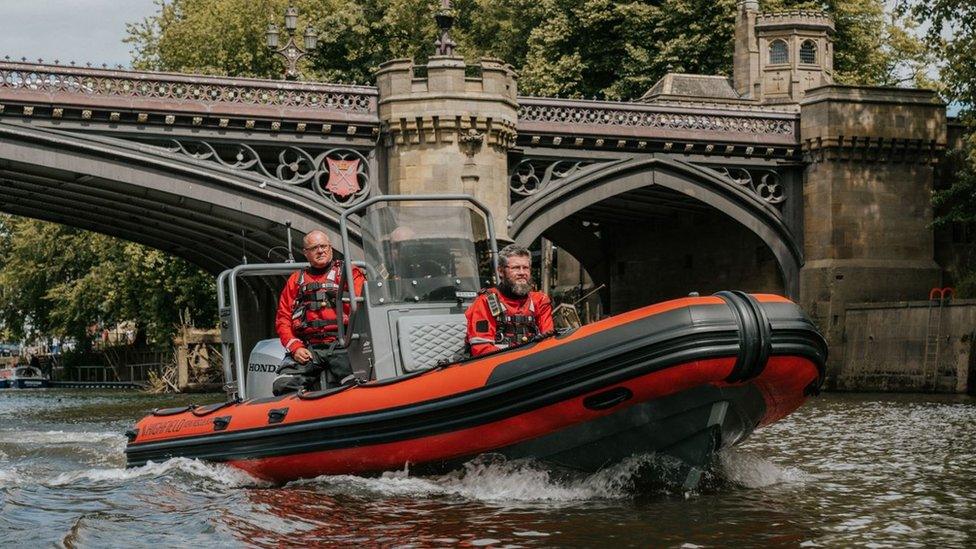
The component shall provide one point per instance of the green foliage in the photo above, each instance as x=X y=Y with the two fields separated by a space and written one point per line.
x=952 y=33
x=59 y=281
x=563 y=47
x=619 y=50
x=227 y=37
x=570 y=48
x=206 y=36
x=957 y=205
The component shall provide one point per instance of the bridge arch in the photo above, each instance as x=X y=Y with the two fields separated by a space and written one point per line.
x=208 y=214
x=542 y=211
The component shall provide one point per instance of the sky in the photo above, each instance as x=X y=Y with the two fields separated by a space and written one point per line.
x=84 y=31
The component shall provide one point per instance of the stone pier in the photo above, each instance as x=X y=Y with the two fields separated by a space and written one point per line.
x=867 y=210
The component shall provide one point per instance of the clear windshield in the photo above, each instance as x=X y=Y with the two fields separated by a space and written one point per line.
x=424 y=251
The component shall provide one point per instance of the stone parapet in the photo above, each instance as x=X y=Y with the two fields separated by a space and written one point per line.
x=446 y=78
x=446 y=105
x=125 y=90
x=574 y=119
x=124 y=101
x=794 y=19
x=873 y=124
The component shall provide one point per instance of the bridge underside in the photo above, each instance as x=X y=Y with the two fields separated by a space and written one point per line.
x=654 y=244
x=655 y=229
x=211 y=216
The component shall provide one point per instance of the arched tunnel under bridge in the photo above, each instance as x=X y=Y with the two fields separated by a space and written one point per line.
x=213 y=216
x=658 y=228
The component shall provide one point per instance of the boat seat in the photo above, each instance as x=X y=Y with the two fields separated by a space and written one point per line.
x=426 y=340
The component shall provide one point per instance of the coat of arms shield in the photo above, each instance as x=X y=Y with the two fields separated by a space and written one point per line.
x=343 y=177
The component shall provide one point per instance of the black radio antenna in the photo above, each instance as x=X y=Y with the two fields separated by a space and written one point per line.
x=291 y=256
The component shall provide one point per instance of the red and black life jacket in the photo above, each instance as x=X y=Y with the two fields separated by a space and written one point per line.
x=314 y=311
x=514 y=325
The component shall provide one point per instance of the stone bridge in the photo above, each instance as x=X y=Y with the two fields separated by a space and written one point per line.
x=775 y=180
x=211 y=168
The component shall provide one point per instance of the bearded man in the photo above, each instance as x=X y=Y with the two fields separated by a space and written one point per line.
x=510 y=314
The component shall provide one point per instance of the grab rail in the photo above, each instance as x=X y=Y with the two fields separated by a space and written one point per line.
x=235 y=316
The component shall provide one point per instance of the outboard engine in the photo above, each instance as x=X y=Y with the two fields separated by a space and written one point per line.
x=262 y=367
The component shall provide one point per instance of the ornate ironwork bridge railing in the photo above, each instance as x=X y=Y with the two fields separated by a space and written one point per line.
x=171 y=98
x=709 y=129
x=330 y=128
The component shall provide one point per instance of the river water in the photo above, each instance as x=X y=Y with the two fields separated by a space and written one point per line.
x=845 y=470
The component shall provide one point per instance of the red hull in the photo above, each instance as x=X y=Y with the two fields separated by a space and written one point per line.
x=782 y=384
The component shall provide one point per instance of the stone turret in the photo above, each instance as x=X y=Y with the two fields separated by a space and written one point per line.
x=796 y=54
x=778 y=56
x=745 y=59
x=448 y=127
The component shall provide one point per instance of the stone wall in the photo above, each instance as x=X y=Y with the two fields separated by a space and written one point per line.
x=909 y=346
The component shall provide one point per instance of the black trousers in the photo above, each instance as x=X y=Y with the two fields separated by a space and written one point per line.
x=308 y=376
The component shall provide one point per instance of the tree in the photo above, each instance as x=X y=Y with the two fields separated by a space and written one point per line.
x=227 y=37
x=577 y=48
x=59 y=281
x=952 y=33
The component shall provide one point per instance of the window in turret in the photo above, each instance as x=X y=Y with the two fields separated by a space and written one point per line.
x=808 y=52
x=778 y=52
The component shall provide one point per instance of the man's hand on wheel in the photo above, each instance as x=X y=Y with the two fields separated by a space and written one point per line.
x=302 y=355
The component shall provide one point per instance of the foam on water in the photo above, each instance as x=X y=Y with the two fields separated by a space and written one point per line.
x=221 y=474
x=752 y=471
x=491 y=479
x=8 y=476
x=846 y=470
x=51 y=438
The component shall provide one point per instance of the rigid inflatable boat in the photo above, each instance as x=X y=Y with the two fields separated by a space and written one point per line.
x=682 y=378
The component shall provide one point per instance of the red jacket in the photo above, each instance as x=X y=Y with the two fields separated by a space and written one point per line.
x=483 y=334
x=299 y=326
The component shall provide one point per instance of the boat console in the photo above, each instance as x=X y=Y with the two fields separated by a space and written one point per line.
x=425 y=259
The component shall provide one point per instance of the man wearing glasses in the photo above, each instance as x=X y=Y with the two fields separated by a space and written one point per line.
x=306 y=320
x=511 y=314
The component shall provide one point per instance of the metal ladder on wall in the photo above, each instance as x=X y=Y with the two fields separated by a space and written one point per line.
x=938 y=298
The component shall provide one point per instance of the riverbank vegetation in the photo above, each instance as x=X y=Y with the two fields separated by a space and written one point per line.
x=570 y=48
x=61 y=282
x=951 y=32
